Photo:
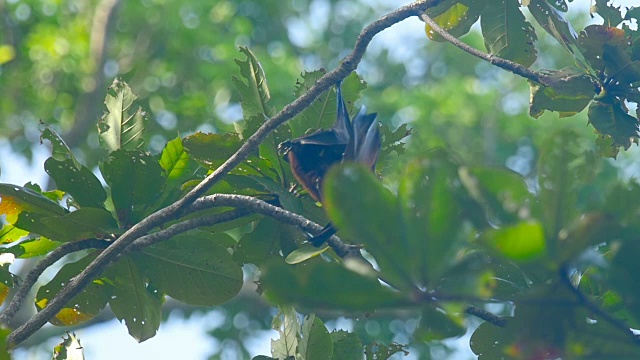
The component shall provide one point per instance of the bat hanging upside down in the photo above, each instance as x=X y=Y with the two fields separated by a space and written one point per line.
x=312 y=155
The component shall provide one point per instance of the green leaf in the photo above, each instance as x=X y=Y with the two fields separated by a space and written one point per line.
x=606 y=146
x=211 y=150
x=322 y=113
x=69 y=349
x=436 y=324
x=315 y=341
x=174 y=160
x=254 y=91
x=4 y=352
x=136 y=181
x=507 y=34
x=454 y=17
x=501 y=192
x=15 y=199
x=286 y=322
x=367 y=213
x=562 y=166
x=431 y=214
x=82 y=307
x=524 y=241
x=80 y=183
x=134 y=300
x=593 y=39
x=346 y=345
x=567 y=91
x=122 y=126
x=10 y=233
x=327 y=285
x=611 y=119
x=7 y=279
x=553 y=22
x=261 y=244
x=192 y=269
x=83 y=223
x=60 y=150
x=33 y=247
x=304 y=253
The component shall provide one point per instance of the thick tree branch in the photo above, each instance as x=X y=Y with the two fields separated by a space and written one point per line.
x=33 y=275
x=494 y=60
x=349 y=64
x=264 y=208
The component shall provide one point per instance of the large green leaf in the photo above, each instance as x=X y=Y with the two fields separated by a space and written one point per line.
x=254 y=90
x=593 y=39
x=437 y=324
x=609 y=118
x=60 y=150
x=192 y=269
x=134 y=300
x=83 y=223
x=346 y=345
x=523 y=241
x=567 y=91
x=80 y=183
x=261 y=244
x=315 y=341
x=122 y=126
x=210 y=149
x=10 y=233
x=501 y=192
x=562 y=167
x=33 y=247
x=553 y=22
x=432 y=216
x=82 y=307
x=174 y=160
x=507 y=34
x=15 y=199
x=367 y=213
x=136 y=180
x=315 y=283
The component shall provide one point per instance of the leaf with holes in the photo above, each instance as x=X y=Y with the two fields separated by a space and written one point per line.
x=507 y=34
x=194 y=270
x=122 y=126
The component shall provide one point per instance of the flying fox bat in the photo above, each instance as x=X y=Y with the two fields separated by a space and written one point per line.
x=311 y=156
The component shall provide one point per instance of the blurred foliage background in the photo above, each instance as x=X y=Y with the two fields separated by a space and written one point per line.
x=58 y=56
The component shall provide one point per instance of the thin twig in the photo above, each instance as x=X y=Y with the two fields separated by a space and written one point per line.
x=264 y=208
x=33 y=275
x=349 y=63
x=494 y=60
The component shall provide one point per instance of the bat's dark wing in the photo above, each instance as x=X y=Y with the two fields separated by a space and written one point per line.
x=365 y=143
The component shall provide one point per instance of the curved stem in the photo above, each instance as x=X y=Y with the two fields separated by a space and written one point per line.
x=494 y=60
